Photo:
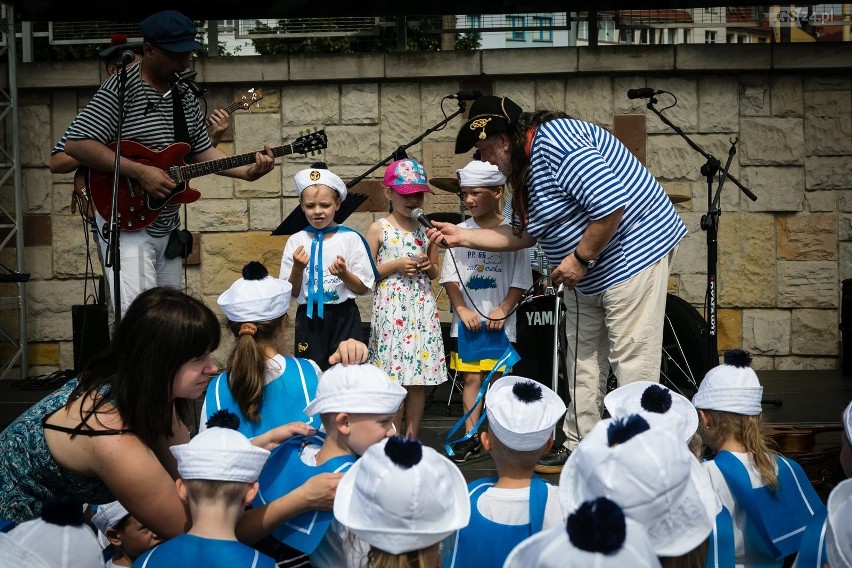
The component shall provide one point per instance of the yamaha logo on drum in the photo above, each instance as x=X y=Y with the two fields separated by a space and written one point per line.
x=540 y=318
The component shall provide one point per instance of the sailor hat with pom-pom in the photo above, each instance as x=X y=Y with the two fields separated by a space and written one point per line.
x=256 y=296
x=522 y=412
x=731 y=387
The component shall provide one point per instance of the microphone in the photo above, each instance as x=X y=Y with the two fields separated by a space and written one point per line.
x=420 y=217
x=643 y=93
x=126 y=59
x=466 y=95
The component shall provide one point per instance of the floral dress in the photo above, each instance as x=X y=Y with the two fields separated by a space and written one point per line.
x=405 y=337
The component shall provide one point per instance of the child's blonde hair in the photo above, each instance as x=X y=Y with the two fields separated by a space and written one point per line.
x=423 y=558
x=247 y=363
x=745 y=430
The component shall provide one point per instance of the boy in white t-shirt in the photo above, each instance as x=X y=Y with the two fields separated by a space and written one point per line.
x=495 y=282
x=517 y=504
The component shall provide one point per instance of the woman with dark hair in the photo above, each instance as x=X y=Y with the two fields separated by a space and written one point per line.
x=106 y=435
x=603 y=221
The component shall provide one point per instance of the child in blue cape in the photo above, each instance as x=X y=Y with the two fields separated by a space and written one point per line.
x=357 y=405
x=263 y=386
x=218 y=479
x=769 y=497
x=517 y=503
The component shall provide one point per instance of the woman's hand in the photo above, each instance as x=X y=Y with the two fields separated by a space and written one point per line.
x=318 y=492
x=277 y=436
x=349 y=352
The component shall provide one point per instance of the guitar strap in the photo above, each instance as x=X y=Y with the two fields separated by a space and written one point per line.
x=181 y=130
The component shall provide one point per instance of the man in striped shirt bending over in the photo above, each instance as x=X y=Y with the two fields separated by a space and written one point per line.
x=606 y=224
x=150 y=119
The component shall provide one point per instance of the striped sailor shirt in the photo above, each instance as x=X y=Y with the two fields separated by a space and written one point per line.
x=148 y=120
x=579 y=172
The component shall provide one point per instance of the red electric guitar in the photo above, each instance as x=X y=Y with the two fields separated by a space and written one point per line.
x=137 y=209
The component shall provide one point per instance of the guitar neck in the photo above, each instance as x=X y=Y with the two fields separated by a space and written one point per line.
x=230 y=109
x=190 y=171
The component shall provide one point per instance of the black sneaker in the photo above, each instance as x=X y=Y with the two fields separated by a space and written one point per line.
x=466 y=449
x=553 y=461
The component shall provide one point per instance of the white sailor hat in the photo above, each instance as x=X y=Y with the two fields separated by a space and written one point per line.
x=256 y=296
x=401 y=496
x=319 y=174
x=731 y=387
x=652 y=401
x=356 y=389
x=480 y=174
x=220 y=453
x=522 y=412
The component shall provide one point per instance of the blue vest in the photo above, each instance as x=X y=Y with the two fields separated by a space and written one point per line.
x=722 y=551
x=812 y=550
x=284 y=471
x=282 y=402
x=190 y=550
x=780 y=517
x=484 y=543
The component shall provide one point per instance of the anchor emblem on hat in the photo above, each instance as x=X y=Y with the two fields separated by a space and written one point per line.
x=315 y=175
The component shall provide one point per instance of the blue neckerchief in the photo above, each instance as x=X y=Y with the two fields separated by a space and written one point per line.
x=509 y=358
x=315 y=270
x=284 y=471
x=316 y=295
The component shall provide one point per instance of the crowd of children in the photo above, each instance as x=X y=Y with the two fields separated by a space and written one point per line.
x=300 y=461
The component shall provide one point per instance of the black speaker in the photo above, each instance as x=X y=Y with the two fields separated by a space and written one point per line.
x=91 y=332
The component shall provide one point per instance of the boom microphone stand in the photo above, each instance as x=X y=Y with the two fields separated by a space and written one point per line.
x=709 y=221
x=113 y=231
x=297 y=221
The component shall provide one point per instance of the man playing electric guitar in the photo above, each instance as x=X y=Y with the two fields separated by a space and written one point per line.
x=155 y=121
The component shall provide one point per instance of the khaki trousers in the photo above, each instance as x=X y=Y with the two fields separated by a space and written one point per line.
x=620 y=328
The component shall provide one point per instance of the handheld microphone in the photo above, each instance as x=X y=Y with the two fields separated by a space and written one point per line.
x=643 y=93
x=126 y=59
x=466 y=95
x=420 y=217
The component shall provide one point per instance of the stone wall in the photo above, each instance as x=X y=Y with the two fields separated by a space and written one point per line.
x=781 y=258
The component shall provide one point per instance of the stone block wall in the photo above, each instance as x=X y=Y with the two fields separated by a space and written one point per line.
x=781 y=258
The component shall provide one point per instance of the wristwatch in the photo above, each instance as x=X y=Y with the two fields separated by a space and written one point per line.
x=589 y=264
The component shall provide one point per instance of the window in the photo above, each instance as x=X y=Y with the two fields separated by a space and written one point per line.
x=606 y=30
x=709 y=37
x=583 y=30
x=475 y=23
x=687 y=35
x=672 y=33
x=544 y=29
x=516 y=22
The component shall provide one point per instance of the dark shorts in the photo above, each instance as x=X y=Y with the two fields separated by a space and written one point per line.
x=317 y=338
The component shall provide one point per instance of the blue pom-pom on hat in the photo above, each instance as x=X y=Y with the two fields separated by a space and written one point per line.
x=63 y=512
x=738 y=358
x=597 y=526
x=527 y=391
x=656 y=399
x=404 y=452
x=621 y=430
x=254 y=270
x=224 y=419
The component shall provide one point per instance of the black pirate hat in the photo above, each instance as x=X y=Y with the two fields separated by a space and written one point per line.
x=488 y=115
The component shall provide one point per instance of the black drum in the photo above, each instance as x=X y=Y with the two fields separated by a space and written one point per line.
x=535 y=322
x=685 y=359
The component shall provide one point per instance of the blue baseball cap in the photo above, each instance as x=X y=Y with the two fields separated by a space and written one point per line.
x=171 y=31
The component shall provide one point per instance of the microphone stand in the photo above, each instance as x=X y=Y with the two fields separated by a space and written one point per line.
x=710 y=223
x=298 y=216
x=113 y=231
